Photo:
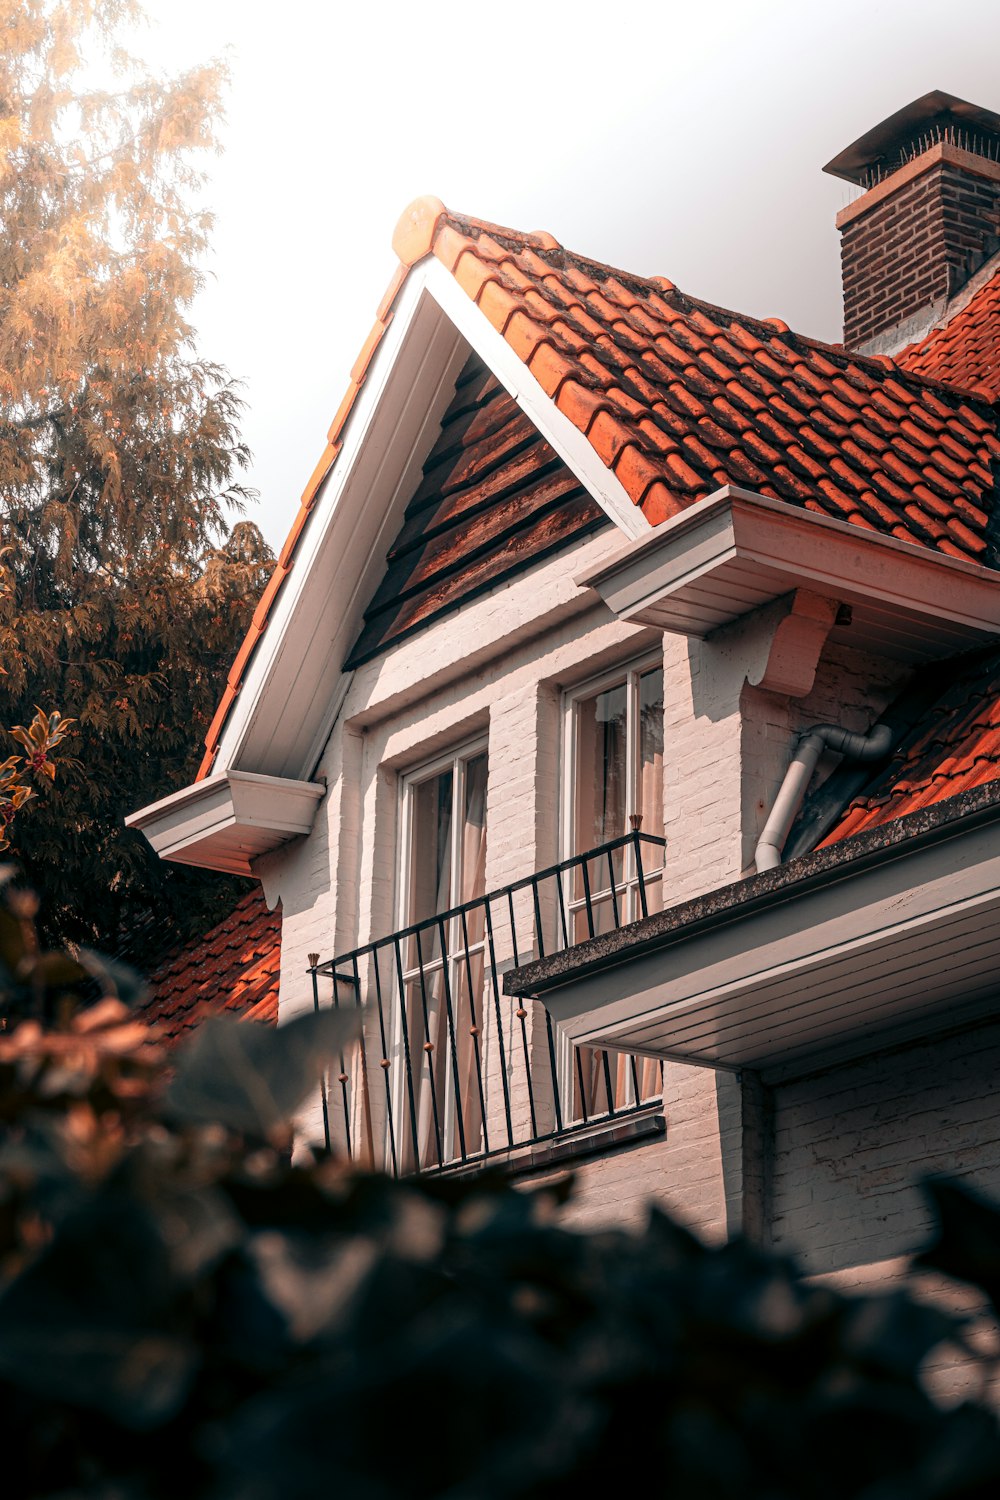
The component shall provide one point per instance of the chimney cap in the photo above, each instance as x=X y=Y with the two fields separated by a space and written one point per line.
x=874 y=149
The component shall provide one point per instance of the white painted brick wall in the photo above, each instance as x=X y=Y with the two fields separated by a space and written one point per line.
x=852 y=1145
x=499 y=667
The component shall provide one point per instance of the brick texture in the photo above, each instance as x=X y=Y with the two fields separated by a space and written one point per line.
x=851 y=1146
x=915 y=248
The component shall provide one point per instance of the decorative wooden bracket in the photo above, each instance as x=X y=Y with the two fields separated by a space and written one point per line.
x=797 y=644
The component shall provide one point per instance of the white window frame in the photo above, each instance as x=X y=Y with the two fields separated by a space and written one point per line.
x=455 y=760
x=629 y=672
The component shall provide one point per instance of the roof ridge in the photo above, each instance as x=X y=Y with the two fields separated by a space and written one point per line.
x=547 y=245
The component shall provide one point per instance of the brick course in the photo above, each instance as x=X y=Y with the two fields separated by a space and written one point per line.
x=915 y=248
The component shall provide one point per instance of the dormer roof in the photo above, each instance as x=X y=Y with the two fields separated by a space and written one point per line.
x=676 y=397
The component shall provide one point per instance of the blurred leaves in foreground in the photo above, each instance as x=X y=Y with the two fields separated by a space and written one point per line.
x=185 y=1312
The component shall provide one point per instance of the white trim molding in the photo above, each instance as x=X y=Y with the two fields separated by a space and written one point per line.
x=735 y=551
x=229 y=820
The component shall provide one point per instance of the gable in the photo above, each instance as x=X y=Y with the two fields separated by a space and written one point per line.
x=493 y=498
x=652 y=400
x=232 y=970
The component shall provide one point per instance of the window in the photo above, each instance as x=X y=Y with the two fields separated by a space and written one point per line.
x=443 y=866
x=613 y=786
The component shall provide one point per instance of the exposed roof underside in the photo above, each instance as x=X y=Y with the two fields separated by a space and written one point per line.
x=493 y=499
x=232 y=970
x=954 y=745
x=677 y=397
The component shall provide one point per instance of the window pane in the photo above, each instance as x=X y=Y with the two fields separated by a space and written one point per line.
x=474 y=830
x=430 y=847
x=650 y=797
x=601 y=768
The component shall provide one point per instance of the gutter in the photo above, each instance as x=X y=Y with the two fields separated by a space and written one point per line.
x=743 y=899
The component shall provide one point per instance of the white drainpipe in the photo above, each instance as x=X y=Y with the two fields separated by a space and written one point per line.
x=871 y=746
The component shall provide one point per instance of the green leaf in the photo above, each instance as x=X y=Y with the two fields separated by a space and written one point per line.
x=114 y=978
x=967 y=1244
x=253 y=1078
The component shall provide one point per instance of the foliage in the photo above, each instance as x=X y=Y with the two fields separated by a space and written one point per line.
x=20 y=774
x=182 y=1311
x=124 y=593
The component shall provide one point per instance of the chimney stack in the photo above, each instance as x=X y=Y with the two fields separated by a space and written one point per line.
x=927 y=219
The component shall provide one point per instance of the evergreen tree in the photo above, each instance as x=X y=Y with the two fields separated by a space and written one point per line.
x=124 y=591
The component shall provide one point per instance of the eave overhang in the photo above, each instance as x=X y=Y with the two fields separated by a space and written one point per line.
x=883 y=939
x=736 y=550
x=229 y=820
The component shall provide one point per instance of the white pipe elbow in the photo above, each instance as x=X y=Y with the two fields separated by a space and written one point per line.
x=791 y=794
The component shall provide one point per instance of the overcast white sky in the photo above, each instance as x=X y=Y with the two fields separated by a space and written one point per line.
x=675 y=139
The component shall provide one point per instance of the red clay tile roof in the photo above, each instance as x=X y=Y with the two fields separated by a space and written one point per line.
x=955 y=745
x=966 y=350
x=678 y=397
x=233 y=970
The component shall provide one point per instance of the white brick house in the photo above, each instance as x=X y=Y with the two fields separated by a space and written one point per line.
x=581 y=562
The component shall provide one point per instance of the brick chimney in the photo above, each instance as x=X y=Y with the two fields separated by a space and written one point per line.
x=928 y=217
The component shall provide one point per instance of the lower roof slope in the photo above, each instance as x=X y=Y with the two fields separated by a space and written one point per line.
x=954 y=745
x=965 y=349
x=232 y=969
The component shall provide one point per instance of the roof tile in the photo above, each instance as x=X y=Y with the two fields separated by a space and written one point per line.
x=890 y=446
x=233 y=969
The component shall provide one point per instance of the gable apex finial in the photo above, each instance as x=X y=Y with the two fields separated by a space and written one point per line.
x=413 y=237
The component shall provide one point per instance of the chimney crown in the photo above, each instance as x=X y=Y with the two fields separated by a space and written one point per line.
x=927 y=219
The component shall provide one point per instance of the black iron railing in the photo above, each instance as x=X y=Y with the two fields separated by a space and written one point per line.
x=452 y=1071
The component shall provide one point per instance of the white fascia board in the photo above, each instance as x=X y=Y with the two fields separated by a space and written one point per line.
x=736 y=550
x=905 y=945
x=568 y=441
x=224 y=822
x=293 y=689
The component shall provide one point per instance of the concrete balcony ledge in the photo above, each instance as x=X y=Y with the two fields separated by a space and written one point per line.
x=881 y=939
x=735 y=551
x=226 y=821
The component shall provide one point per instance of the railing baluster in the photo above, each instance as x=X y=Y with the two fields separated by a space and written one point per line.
x=608 y=1085
x=429 y=1047
x=567 y=942
x=554 y=1065
x=456 y=1076
x=635 y=1078
x=640 y=877
x=345 y=1096
x=366 y=1107
x=474 y=1033
x=323 y=1084
x=411 y=1097
x=586 y=896
x=505 y=1081
x=539 y=934
x=385 y=1063
x=578 y=1051
x=424 y=1106
x=614 y=894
